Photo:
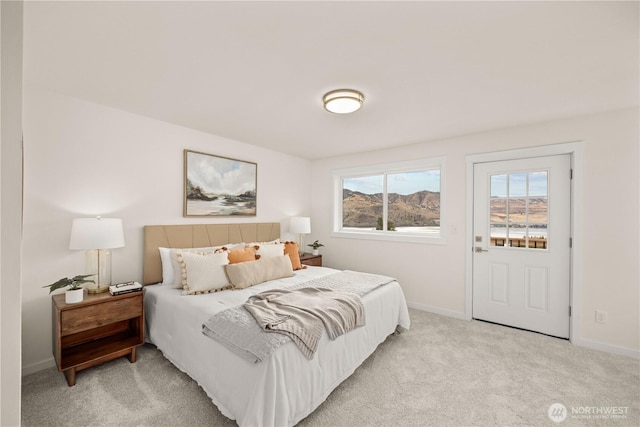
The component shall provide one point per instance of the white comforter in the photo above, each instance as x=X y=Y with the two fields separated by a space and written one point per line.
x=286 y=387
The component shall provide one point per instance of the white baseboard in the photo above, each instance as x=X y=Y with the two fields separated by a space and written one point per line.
x=608 y=348
x=39 y=366
x=437 y=310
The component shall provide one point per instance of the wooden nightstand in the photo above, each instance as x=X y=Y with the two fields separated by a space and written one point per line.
x=100 y=328
x=309 y=259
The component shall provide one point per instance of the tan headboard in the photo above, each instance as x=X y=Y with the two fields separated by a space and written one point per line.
x=198 y=236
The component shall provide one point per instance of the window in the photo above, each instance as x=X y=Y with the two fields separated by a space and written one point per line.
x=519 y=210
x=398 y=201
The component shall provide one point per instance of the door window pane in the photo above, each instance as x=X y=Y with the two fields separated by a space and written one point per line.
x=517 y=235
x=499 y=186
x=538 y=237
x=538 y=210
x=517 y=184
x=517 y=210
x=538 y=185
x=498 y=235
x=498 y=208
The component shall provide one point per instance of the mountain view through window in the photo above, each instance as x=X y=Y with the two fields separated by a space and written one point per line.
x=412 y=202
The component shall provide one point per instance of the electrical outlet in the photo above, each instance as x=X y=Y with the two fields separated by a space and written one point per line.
x=601 y=316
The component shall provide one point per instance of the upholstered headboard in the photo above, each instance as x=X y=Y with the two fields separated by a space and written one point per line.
x=198 y=236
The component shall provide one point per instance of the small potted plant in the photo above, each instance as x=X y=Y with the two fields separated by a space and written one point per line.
x=76 y=292
x=315 y=246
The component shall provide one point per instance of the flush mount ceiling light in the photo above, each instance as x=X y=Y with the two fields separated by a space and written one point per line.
x=343 y=101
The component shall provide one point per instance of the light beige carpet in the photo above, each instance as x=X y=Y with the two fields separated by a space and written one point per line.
x=444 y=372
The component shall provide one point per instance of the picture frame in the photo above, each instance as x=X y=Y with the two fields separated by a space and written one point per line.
x=218 y=186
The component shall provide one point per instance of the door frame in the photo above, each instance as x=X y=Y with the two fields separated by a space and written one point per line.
x=575 y=149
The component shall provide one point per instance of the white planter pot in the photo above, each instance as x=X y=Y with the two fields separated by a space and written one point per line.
x=316 y=252
x=73 y=296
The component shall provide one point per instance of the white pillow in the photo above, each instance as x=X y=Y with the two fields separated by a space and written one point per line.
x=204 y=273
x=171 y=268
x=270 y=250
x=167 y=268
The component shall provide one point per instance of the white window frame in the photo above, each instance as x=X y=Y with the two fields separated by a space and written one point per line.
x=396 y=167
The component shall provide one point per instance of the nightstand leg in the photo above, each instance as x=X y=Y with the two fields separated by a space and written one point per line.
x=70 y=375
x=132 y=356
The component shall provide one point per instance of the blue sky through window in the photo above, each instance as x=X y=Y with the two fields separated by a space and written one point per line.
x=400 y=183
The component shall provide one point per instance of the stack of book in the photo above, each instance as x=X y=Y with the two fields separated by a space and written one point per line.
x=124 y=288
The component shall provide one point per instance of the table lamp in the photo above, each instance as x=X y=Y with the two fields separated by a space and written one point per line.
x=300 y=225
x=97 y=236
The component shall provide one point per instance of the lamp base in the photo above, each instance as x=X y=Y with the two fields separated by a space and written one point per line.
x=98 y=264
x=98 y=290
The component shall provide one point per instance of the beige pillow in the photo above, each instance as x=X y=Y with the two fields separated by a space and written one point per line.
x=178 y=277
x=203 y=273
x=245 y=274
x=171 y=268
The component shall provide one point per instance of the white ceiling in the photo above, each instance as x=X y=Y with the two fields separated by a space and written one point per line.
x=256 y=71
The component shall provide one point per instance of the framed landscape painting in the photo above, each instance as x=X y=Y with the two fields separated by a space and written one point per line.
x=218 y=186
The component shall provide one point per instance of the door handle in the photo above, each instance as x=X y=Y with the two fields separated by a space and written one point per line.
x=479 y=250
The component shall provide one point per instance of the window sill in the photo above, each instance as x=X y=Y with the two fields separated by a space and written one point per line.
x=390 y=236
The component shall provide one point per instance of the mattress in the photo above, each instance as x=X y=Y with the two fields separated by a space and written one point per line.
x=287 y=386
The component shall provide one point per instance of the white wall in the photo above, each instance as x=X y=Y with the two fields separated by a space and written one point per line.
x=433 y=276
x=83 y=159
x=10 y=209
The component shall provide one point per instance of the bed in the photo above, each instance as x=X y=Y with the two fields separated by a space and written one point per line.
x=285 y=387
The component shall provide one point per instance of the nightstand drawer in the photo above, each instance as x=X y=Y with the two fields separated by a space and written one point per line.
x=92 y=316
x=312 y=260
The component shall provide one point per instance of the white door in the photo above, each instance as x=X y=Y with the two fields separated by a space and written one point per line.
x=522 y=255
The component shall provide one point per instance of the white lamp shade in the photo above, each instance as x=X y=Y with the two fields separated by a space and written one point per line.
x=300 y=225
x=96 y=233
